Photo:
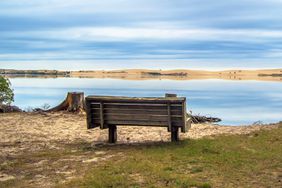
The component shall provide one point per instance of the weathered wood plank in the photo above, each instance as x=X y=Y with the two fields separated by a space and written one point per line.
x=169 y=117
x=184 y=114
x=154 y=100
x=138 y=107
x=130 y=104
x=144 y=105
x=137 y=123
x=137 y=111
x=149 y=119
x=136 y=116
x=102 y=115
x=90 y=125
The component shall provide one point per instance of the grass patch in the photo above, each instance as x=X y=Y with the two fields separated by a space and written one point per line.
x=227 y=161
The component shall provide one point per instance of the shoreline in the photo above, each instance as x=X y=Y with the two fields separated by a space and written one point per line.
x=147 y=74
x=21 y=130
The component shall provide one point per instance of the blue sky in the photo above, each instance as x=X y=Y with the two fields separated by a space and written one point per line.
x=109 y=34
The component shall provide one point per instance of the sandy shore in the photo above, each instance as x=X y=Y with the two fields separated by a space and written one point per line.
x=44 y=149
x=29 y=132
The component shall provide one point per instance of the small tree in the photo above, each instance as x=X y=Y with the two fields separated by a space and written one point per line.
x=6 y=93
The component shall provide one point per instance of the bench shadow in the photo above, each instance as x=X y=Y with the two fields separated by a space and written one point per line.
x=136 y=145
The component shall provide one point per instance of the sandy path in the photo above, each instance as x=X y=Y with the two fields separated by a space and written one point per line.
x=21 y=132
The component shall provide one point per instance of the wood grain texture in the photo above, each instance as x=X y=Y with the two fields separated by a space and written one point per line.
x=169 y=111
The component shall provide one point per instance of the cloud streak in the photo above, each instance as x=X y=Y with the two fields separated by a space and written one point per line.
x=121 y=34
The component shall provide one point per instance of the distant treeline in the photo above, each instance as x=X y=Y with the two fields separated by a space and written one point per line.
x=34 y=72
x=273 y=75
x=164 y=74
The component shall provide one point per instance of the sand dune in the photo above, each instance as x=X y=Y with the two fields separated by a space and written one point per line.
x=181 y=74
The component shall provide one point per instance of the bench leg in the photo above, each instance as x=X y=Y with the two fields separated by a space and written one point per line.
x=112 y=133
x=174 y=134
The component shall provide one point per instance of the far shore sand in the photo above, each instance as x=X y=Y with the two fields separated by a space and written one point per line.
x=181 y=74
x=145 y=74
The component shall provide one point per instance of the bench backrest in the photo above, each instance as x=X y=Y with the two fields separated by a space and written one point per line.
x=150 y=111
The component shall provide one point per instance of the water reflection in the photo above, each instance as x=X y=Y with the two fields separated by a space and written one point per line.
x=236 y=102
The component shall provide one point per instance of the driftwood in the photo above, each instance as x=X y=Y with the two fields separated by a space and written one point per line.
x=203 y=119
x=8 y=108
x=74 y=102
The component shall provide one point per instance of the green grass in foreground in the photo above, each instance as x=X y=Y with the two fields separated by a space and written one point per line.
x=226 y=161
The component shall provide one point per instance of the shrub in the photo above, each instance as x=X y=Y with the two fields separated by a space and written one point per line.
x=6 y=92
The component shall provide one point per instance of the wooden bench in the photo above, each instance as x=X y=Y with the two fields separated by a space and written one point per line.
x=107 y=112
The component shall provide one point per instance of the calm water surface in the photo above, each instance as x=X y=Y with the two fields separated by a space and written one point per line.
x=236 y=102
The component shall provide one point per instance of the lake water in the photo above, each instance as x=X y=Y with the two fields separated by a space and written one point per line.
x=235 y=102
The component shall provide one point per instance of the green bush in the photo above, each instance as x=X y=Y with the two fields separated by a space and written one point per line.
x=6 y=93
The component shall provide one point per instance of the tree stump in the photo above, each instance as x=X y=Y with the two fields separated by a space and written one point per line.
x=73 y=103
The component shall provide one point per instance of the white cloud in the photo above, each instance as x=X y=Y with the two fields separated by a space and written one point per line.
x=127 y=34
